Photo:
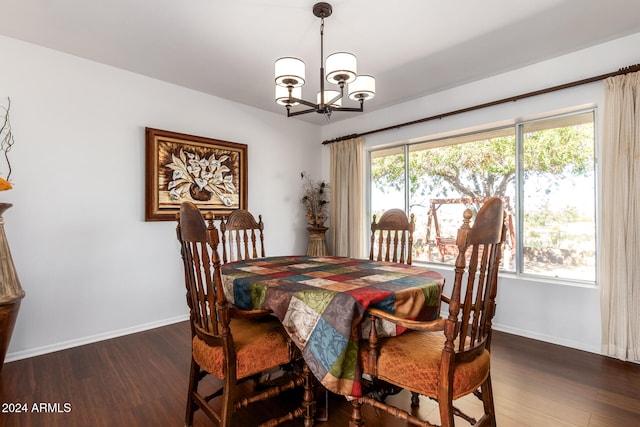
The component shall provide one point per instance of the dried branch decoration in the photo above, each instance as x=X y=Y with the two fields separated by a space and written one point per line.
x=6 y=143
x=315 y=200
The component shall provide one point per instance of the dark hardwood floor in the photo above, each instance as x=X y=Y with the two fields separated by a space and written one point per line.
x=141 y=380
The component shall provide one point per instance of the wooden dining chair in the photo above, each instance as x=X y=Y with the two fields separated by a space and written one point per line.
x=450 y=357
x=231 y=344
x=242 y=235
x=392 y=237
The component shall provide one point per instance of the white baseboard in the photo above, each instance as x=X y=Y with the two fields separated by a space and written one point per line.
x=547 y=338
x=18 y=355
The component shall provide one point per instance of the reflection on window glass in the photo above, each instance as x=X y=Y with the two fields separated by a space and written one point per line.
x=559 y=197
x=451 y=175
x=388 y=182
x=551 y=231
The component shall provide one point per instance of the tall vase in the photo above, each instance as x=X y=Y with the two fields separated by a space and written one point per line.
x=317 y=242
x=11 y=292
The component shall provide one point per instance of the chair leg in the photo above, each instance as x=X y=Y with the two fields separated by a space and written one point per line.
x=356 y=413
x=487 y=401
x=193 y=384
x=445 y=405
x=415 y=400
x=308 y=400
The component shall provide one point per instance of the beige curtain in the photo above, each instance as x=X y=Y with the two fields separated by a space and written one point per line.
x=620 y=244
x=346 y=204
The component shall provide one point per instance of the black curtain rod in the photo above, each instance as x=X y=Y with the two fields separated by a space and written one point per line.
x=624 y=70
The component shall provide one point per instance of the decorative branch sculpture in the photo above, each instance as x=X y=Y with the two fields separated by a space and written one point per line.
x=6 y=143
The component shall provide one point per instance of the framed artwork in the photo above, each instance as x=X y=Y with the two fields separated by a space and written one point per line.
x=208 y=172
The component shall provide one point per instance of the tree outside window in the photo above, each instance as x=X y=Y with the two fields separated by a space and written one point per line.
x=543 y=169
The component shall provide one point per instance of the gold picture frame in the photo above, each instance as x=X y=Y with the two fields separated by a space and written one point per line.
x=208 y=172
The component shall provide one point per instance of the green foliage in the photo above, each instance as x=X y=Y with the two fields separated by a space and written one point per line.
x=546 y=228
x=545 y=216
x=487 y=167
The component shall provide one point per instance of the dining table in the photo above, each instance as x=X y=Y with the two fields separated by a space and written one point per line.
x=321 y=302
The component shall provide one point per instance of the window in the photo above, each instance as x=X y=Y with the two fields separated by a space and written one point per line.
x=390 y=169
x=543 y=170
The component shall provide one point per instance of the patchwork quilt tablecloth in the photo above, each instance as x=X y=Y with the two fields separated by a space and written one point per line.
x=321 y=302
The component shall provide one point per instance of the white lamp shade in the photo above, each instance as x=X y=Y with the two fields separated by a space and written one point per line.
x=328 y=96
x=282 y=95
x=364 y=87
x=289 y=72
x=341 y=67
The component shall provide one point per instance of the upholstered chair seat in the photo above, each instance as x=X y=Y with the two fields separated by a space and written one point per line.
x=259 y=344
x=412 y=361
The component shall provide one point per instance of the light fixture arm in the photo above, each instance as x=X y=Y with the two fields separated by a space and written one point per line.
x=314 y=107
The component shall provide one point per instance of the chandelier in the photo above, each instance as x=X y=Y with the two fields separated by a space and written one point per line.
x=341 y=70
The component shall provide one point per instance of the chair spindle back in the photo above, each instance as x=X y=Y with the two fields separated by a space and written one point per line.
x=208 y=306
x=241 y=236
x=472 y=304
x=392 y=237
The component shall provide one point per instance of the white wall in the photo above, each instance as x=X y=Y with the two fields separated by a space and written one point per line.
x=91 y=266
x=562 y=314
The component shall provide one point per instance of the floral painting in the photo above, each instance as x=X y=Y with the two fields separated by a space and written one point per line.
x=208 y=172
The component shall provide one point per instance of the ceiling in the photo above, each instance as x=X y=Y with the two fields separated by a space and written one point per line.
x=227 y=48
